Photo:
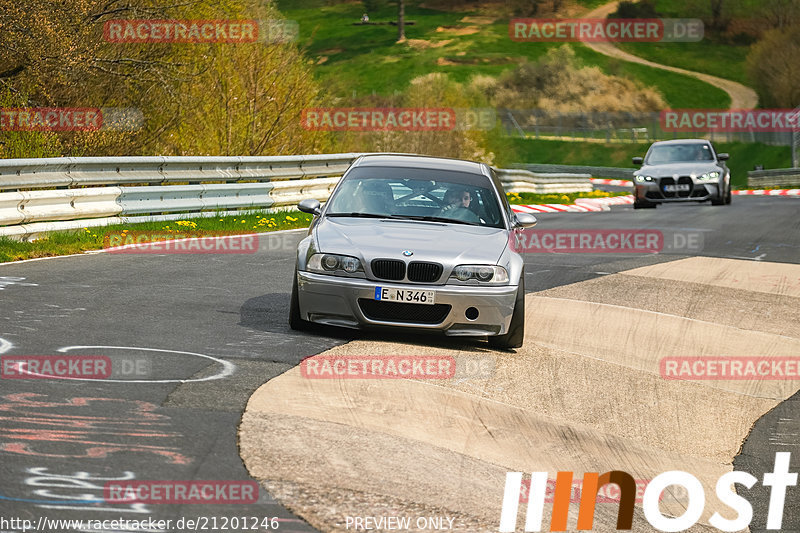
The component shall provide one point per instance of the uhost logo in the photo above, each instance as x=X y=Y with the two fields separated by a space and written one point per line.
x=779 y=479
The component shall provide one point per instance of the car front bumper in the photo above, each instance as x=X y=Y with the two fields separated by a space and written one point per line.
x=654 y=192
x=349 y=302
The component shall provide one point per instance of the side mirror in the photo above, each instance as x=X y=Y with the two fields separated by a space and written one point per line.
x=723 y=156
x=637 y=160
x=309 y=206
x=525 y=220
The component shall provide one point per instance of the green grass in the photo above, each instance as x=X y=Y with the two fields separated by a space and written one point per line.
x=744 y=156
x=678 y=90
x=77 y=241
x=722 y=60
x=713 y=55
x=363 y=59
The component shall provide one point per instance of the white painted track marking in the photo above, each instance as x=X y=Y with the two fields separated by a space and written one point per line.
x=227 y=367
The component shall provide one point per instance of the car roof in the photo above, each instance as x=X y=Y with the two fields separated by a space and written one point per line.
x=683 y=141
x=422 y=161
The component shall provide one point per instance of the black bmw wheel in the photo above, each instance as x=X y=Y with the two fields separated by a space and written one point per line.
x=516 y=331
x=295 y=322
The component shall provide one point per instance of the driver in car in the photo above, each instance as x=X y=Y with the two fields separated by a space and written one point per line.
x=456 y=206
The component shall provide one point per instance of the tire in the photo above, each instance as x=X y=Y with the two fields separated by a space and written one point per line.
x=728 y=196
x=643 y=204
x=718 y=201
x=516 y=330
x=295 y=322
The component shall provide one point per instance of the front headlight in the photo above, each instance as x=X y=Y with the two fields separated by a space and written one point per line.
x=481 y=273
x=644 y=178
x=333 y=263
x=709 y=176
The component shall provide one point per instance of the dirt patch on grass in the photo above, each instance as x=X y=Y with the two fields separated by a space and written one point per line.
x=459 y=30
x=332 y=51
x=461 y=60
x=478 y=20
x=421 y=44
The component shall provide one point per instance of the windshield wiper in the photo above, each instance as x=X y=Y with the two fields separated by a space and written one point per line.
x=435 y=219
x=402 y=217
x=361 y=215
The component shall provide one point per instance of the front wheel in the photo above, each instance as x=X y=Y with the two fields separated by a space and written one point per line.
x=295 y=322
x=516 y=330
x=643 y=204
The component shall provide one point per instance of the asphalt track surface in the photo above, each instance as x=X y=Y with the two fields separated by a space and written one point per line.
x=214 y=328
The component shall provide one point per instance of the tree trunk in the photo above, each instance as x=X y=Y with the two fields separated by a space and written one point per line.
x=401 y=18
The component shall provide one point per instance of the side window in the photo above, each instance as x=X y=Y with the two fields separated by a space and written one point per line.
x=503 y=198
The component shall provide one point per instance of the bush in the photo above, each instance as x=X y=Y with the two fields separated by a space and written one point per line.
x=632 y=10
x=772 y=65
x=558 y=82
x=431 y=90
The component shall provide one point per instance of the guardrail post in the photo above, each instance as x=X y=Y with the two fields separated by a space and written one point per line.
x=796 y=139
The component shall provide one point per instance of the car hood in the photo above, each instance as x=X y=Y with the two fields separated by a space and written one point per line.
x=449 y=244
x=680 y=169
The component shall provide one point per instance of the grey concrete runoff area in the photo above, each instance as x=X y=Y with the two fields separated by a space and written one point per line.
x=207 y=384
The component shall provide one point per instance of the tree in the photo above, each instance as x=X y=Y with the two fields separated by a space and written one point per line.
x=773 y=67
x=718 y=22
x=196 y=98
x=401 y=20
x=780 y=13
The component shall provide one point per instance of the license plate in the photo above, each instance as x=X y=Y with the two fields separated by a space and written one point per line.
x=391 y=294
x=676 y=188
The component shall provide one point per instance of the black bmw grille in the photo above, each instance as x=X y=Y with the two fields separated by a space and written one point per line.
x=388 y=269
x=667 y=181
x=403 y=312
x=424 y=272
x=685 y=180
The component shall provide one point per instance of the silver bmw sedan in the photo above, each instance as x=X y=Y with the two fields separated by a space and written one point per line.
x=414 y=242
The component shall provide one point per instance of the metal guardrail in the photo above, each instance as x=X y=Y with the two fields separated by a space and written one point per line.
x=71 y=193
x=163 y=170
x=595 y=172
x=620 y=127
x=778 y=177
x=519 y=180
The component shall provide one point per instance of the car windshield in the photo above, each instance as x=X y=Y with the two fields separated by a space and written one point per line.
x=417 y=194
x=679 y=153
